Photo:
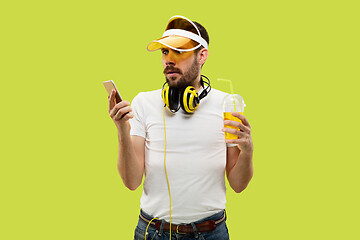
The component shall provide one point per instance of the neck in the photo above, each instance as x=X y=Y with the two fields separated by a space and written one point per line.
x=197 y=83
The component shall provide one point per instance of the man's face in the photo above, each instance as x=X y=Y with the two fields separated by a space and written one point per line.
x=180 y=69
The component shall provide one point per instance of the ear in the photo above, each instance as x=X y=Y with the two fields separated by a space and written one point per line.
x=203 y=55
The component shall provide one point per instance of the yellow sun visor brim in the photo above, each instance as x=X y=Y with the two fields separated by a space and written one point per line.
x=174 y=42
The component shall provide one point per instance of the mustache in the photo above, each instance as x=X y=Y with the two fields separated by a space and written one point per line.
x=169 y=69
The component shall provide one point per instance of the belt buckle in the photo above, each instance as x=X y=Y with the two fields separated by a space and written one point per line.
x=177 y=229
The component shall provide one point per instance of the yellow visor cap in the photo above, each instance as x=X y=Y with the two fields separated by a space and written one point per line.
x=181 y=34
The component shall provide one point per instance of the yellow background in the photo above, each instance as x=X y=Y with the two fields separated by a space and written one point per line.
x=296 y=63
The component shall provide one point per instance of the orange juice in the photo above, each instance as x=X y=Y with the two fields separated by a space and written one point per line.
x=228 y=116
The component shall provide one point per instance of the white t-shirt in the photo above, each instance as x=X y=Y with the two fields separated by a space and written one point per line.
x=195 y=157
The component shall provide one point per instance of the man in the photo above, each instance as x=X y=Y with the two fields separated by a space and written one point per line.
x=181 y=148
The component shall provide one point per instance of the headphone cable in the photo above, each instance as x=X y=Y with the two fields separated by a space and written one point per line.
x=167 y=180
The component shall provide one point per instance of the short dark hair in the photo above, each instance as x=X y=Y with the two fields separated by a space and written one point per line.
x=204 y=35
x=203 y=32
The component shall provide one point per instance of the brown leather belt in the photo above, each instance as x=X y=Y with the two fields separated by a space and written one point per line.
x=206 y=226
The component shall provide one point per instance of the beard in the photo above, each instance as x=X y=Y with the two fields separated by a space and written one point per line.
x=186 y=78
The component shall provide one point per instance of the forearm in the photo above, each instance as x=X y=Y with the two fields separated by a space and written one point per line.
x=241 y=173
x=129 y=164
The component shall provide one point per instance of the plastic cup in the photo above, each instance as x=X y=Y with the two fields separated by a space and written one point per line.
x=232 y=103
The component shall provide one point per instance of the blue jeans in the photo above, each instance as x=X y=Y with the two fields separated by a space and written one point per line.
x=220 y=233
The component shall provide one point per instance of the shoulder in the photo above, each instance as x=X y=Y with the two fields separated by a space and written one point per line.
x=147 y=95
x=217 y=95
x=218 y=92
x=147 y=100
x=213 y=101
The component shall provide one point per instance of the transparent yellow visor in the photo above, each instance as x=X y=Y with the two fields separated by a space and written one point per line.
x=178 y=43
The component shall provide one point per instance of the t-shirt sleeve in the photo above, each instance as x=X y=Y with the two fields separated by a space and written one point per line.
x=137 y=123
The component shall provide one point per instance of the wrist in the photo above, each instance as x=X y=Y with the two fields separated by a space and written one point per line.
x=123 y=128
x=246 y=152
x=246 y=147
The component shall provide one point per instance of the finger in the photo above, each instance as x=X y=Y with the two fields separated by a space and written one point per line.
x=118 y=106
x=234 y=141
x=113 y=111
x=239 y=140
x=112 y=101
x=128 y=116
x=242 y=118
x=120 y=116
x=116 y=109
x=237 y=124
x=123 y=103
x=234 y=131
x=122 y=112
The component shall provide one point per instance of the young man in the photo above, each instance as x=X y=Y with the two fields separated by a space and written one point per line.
x=176 y=137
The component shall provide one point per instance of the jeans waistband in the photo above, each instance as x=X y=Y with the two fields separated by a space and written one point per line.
x=217 y=216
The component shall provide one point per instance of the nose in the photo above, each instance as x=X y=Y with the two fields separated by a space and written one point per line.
x=170 y=58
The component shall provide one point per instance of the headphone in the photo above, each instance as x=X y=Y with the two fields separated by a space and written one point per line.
x=187 y=99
